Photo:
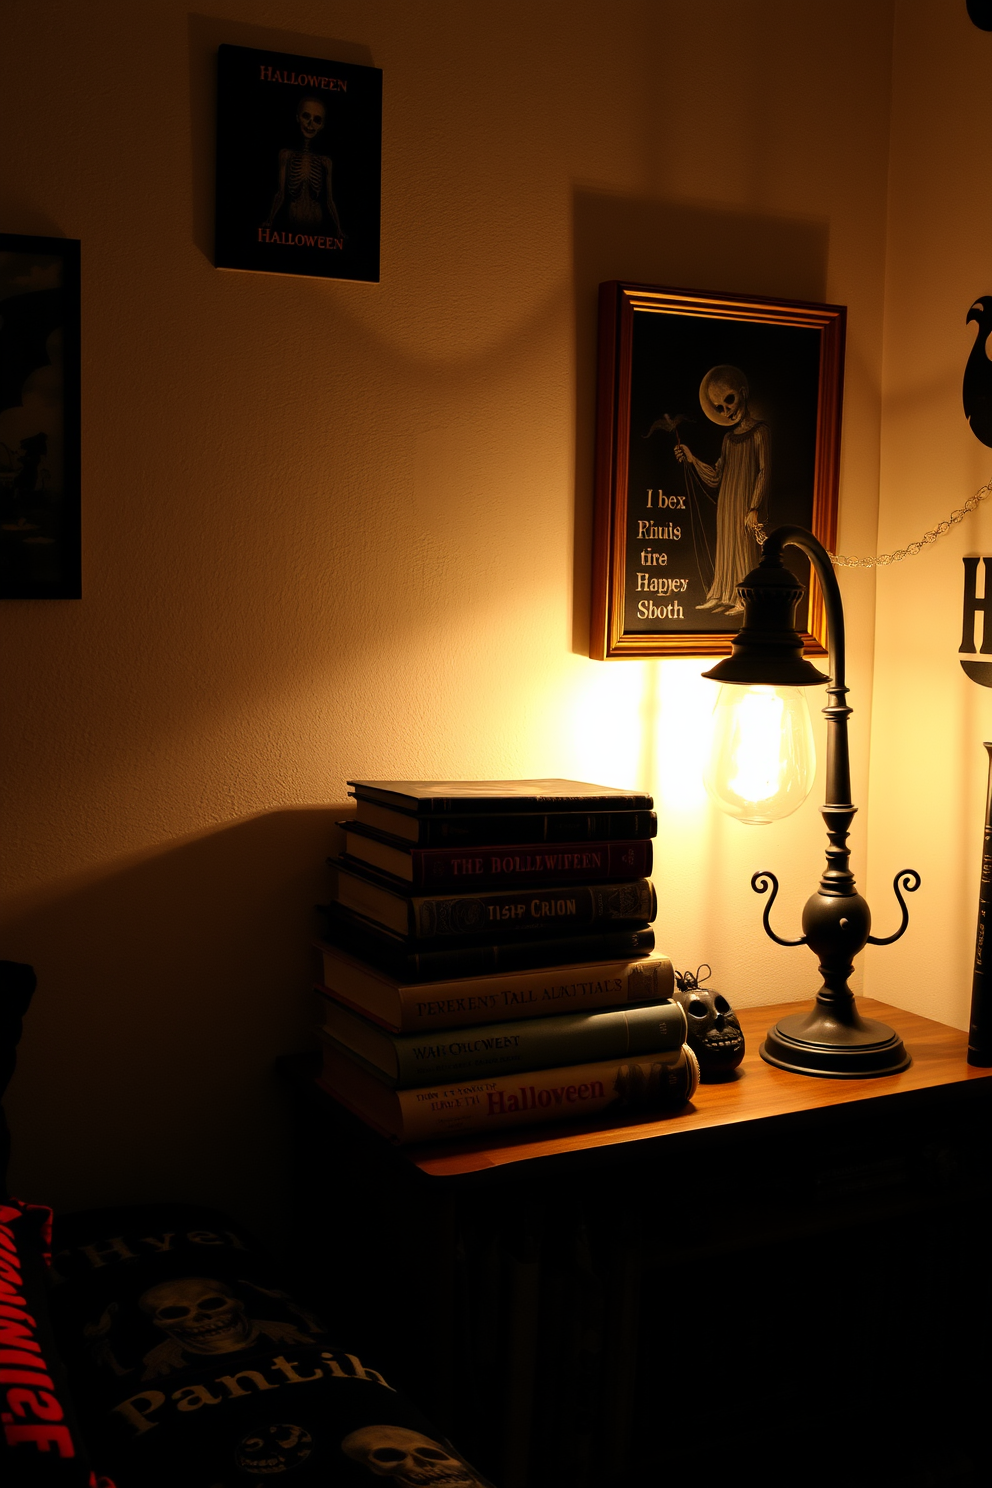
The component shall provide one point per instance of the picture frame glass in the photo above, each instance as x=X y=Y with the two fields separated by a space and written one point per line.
x=718 y=419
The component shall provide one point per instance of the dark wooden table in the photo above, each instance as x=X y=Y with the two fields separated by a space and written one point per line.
x=544 y=1292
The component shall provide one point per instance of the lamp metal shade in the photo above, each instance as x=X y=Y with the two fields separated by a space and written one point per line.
x=768 y=649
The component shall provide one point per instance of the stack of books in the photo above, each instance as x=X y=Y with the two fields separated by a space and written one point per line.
x=488 y=959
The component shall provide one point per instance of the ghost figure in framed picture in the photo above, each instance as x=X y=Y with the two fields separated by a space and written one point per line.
x=741 y=478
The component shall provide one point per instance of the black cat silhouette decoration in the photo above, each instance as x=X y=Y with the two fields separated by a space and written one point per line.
x=977 y=389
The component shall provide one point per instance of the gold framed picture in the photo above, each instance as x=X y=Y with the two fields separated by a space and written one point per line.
x=718 y=417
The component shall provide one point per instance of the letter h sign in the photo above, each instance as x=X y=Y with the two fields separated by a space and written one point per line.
x=972 y=604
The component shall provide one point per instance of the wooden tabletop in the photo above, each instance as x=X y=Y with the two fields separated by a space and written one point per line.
x=756 y=1093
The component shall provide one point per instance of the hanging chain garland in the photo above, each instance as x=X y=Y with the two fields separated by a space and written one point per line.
x=882 y=560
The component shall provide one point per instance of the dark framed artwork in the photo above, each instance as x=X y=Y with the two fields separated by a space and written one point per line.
x=299 y=157
x=716 y=415
x=39 y=418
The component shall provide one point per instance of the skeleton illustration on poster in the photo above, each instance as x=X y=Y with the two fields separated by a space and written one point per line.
x=299 y=145
x=721 y=420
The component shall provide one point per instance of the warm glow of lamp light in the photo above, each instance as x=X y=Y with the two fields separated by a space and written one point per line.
x=761 y=762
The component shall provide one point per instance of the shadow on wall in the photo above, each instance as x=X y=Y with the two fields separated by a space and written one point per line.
x=165 y=991
x=681 y=245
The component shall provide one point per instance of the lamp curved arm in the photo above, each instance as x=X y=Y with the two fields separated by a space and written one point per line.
x=836 y=712
x=800 y=537
x=760 y=883
x=910 y=881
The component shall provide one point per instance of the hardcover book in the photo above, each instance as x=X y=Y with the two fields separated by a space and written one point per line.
x=493 y=827
x=424 y=797
x=392 y=954
x=534 y=911
x=414 y=1007
x=454 y=868
x=164 y=1309
x=653 y=1083
x=408 y=1060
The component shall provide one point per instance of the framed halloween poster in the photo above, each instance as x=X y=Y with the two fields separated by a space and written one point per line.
x=39 y=418
x=718 y=419
x=299 y=148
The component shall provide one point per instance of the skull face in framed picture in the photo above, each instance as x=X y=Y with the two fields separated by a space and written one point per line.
x=715 y=1035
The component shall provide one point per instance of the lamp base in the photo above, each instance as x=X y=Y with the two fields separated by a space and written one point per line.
x=819 y=1043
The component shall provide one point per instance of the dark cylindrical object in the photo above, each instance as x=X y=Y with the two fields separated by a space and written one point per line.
x=980 y=1027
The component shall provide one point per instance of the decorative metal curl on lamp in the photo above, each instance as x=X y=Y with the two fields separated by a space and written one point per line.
x=833 y=1039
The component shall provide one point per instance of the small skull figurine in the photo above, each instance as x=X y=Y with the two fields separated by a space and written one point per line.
x=715 y=1035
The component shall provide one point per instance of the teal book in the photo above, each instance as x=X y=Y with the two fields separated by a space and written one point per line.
x=407 y=1061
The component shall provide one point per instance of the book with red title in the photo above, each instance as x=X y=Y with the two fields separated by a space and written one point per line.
x=650 y=1084
x=432 y=869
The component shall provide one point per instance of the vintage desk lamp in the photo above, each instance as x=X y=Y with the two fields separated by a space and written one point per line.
x=761 y=768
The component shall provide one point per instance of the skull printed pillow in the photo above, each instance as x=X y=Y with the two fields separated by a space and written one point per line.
x=192 y=1365
x=409 y=1458
x=202 y=1317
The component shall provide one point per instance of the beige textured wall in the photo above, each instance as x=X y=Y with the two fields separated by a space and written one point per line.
x=336 y=529
x=928 y=767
